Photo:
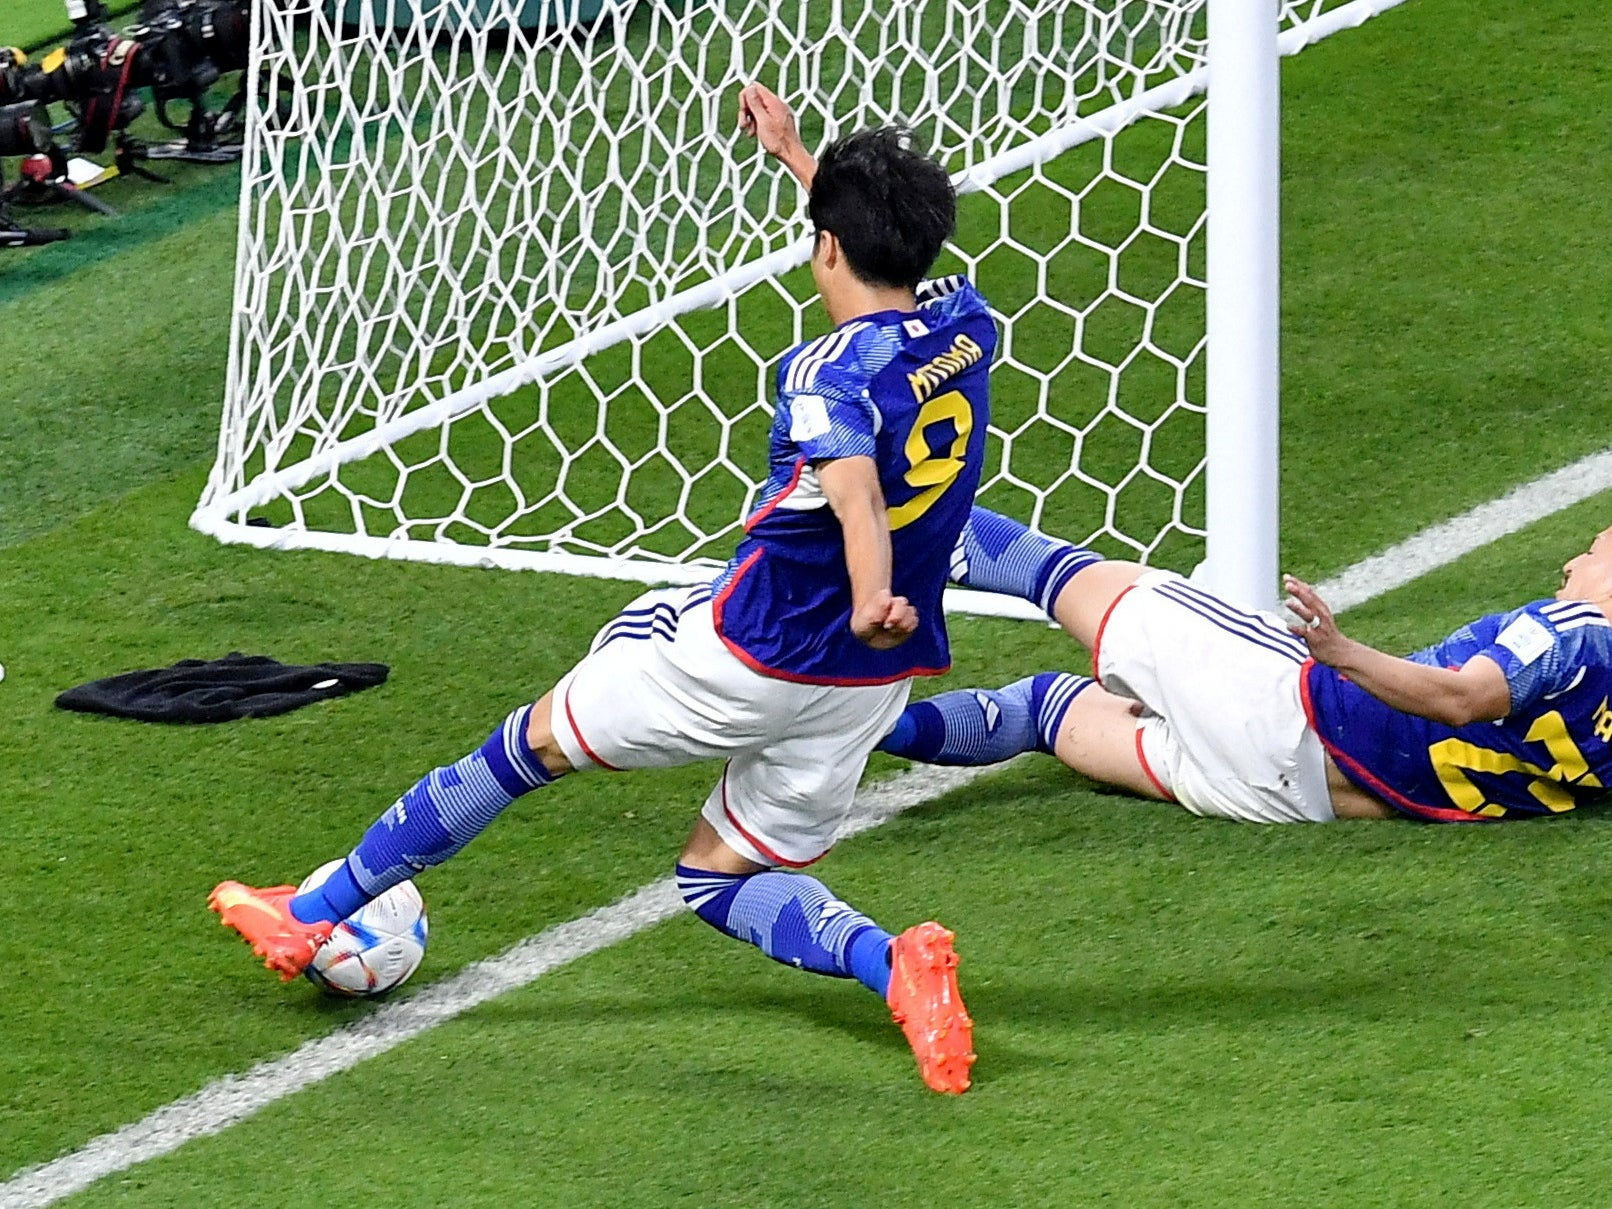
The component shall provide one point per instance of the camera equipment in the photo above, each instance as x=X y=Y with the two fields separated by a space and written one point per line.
x=25 y=130
x=45 y=179
x=13 y=236
x=179 y=50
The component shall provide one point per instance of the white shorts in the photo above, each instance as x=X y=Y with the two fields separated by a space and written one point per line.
x=659 y=689
x=1224 y=729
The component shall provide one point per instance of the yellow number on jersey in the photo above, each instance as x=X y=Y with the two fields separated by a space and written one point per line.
x=929 y=471
x=1454 y=758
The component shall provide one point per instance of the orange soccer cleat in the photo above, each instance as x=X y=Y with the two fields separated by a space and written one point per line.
x=926 y=1003
x=264 y=919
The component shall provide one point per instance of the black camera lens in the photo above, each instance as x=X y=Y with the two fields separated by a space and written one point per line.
x=24 y=129
x=13 y=75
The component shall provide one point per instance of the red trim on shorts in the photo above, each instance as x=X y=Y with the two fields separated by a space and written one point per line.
x=1358 y=773
x=1141 y=758
x=753 y=841
x=1097 y=640
x=581 y=742
x=772 y=673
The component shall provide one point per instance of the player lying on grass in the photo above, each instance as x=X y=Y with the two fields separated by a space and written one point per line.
x=801 y=653
x=1239 y=715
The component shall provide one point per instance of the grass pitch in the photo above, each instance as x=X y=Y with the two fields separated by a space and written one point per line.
x=41 y=24
x=1171 y=1011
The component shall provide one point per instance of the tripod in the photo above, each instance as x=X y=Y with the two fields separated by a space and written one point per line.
x=44 y=179
x=13 y=236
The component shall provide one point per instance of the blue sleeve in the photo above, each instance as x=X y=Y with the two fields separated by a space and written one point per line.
x=1539 y=653
x=831 y=416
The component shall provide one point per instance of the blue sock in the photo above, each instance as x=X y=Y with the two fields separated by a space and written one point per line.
x=986 y=726
x=995 y=553
x=794 y=919
x=442 y=813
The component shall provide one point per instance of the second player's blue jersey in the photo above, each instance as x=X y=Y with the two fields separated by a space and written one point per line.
x=908 y=389
x=1551 y=752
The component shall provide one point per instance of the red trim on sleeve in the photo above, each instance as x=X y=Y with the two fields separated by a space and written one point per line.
x=773 y=673
x=755 y=843
x=581 y=742
x=1141 y=758
x=766 y=511
x=1097 y=640
x=1304 y=696
x=727 y=589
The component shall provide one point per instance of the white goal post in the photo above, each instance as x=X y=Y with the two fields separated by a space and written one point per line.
x=513 y=296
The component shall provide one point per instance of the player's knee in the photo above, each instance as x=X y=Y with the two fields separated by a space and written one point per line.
x=1051 y=695
x=540 y=738
x=709 y=893
x=1097 y=737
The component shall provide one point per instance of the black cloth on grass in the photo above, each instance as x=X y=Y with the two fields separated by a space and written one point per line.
x=218 y=690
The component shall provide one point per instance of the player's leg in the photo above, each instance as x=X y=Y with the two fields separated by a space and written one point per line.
x=986 y=726
x=1098 y=738
x=795 y=919
x=783 y=806
x=791 y=917
x=441 y=813
x=1073 y=584
x=437 y=817
x=622 y=693
x=1086 y=600
x=1072 y=717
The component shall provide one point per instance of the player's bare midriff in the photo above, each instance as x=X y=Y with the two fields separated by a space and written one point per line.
x=1349 y=801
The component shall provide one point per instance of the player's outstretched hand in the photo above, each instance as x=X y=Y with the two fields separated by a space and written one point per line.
x=765 y=116
x=884 y=621
x=1319 y=631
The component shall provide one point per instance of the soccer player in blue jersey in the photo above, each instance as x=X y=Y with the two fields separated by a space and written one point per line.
x=1243 y=716
x=800 y=655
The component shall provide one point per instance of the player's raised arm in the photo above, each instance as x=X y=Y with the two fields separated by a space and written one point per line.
x=851 y=486
x=1476 y=692
x=764 y=116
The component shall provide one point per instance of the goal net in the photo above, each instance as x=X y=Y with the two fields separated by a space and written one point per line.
x=514 y=296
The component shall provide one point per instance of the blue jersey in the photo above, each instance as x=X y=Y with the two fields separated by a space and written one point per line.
x=909 y=390
x=1551 y=752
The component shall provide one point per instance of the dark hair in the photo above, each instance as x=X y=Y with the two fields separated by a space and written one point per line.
x=892 y=208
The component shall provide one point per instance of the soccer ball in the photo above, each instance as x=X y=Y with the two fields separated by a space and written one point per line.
x=375 y=949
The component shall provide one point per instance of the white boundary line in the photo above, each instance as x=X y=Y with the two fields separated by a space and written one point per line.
x=1444 y=543
x=235 y=1097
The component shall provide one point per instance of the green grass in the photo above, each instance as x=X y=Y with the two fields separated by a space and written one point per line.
x=38 y=24
x=128 y=826
x=121 y=368
x=1172 y=1011
x=1190 y=1014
